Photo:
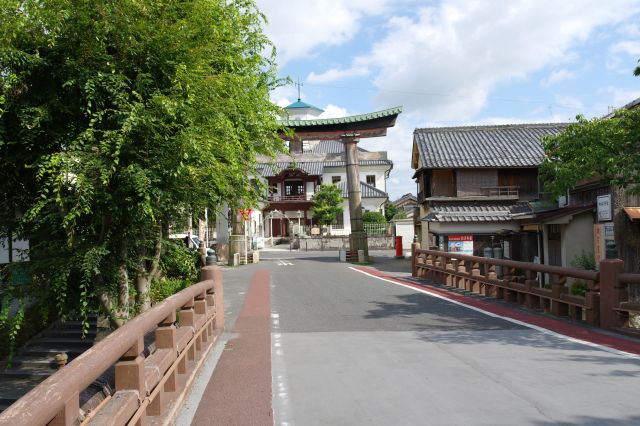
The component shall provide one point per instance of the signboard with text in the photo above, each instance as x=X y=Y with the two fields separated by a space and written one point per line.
x=461 y=244
x=604 y=208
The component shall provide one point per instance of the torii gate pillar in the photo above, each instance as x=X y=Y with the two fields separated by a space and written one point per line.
x=358 y=237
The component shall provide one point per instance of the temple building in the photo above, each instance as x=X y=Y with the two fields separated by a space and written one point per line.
x=316 y=155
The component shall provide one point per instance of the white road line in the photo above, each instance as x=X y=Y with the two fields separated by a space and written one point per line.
x=280 y=389
x=515 y=321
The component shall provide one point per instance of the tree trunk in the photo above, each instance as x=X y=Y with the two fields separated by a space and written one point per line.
x=114 y=319
x=146 y=275
x=123 y=291
x=143 y=301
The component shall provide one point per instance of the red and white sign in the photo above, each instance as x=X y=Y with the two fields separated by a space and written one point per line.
x=460 y=244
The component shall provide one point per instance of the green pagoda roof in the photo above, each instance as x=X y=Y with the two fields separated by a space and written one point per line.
x=299 y=105
x=343 y=120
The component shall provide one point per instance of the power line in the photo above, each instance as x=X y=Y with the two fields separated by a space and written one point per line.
x=447 y=95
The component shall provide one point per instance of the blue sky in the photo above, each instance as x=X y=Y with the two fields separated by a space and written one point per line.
x=456 y=62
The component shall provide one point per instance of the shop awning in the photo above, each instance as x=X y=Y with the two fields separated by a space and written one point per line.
x=632 y=212
x=476 y=212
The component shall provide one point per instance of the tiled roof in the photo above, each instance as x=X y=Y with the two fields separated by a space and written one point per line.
x=328 y=147
x=406 y=197
x=314 y=168
x=516 y=145
x=361 y=162
x=488 y=212
x=366 y=190
x=343 y=120
x=555 y=214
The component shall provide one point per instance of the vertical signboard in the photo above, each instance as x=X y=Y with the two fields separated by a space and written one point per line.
x=604 y=208
x=598 y=242
x=604 y=243
x=461 y=244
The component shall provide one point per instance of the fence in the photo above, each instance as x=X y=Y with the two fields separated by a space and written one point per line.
x=376 y=228
x=145 y=386
x=604 y=302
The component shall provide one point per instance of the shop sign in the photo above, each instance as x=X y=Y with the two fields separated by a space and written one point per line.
x=461 y=244
x=604 y=208
x=604 y=241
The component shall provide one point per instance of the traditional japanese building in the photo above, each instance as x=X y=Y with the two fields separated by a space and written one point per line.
x=325 y=150
x=475 y=185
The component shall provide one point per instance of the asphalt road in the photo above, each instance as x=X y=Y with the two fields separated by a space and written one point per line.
x=350 y=349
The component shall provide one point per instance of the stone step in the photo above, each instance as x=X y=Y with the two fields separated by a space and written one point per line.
x=38 y=350
x=73 y=324
x=9 y=373
x=13 y=389
x=46 y=361
x=64 y=341
x=69 y=333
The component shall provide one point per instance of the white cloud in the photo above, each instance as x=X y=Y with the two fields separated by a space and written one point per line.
x=557 y=76
x=336 y=74
x=616 y=97
x=333 y=111
x=627 y=47
x=444 y=61
x=299 y=27
x=569 y=102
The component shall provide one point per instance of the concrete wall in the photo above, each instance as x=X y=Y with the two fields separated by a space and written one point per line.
x=404 y=229
x=577 y=237
x=334 y=243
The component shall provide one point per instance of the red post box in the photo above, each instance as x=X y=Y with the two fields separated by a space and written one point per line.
x=399 y=246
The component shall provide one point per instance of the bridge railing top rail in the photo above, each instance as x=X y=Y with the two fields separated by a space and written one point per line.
x=47 y=400
x=535 y=267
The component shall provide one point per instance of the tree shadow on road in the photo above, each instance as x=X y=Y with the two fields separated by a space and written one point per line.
x=439 y=321
x=591 y=421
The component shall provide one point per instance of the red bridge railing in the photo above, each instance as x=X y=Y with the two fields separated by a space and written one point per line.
x=604 y=303
x=146 y=388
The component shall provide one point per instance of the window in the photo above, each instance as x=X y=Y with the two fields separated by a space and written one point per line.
x=335 y=179
x=340 y=218
x=371 y=180
x=293 y=188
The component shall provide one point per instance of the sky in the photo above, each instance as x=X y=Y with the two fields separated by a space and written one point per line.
x=455 y=62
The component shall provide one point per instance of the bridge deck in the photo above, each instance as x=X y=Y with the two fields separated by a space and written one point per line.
x=319 y=342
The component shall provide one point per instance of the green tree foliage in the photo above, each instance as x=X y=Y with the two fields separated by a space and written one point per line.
x=373 y=217
x=115 y=119
x=327 y=203
x=392 y=212
x=607 y=148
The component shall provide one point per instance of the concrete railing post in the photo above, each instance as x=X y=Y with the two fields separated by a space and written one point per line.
x=130 y=370
x=611 y=292
x=414 y=261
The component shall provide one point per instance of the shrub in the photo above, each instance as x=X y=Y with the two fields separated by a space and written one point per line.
x=178 y=261
x=373 y=217
x=579 y=288
x=584 y=260
x=165 y=287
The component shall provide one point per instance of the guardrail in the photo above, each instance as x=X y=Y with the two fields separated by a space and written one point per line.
x=501 y=191
x=146 y=388
x=285 y=198
x=603 y=304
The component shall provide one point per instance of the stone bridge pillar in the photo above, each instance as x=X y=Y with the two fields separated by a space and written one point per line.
x=358 y=237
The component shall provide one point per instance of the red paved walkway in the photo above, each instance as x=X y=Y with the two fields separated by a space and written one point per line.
x=239 y=391
x=559 y=326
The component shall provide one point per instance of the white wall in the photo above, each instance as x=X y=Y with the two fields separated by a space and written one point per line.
x=378 y=171
x=404 y=229
x=577 y=237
